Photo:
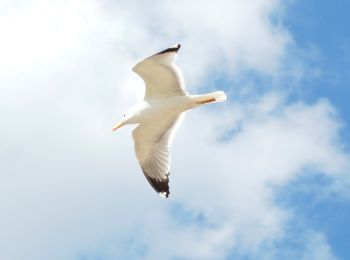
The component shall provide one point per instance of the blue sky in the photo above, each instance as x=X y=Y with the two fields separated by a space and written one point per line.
x=323 y=25
x=264 y=175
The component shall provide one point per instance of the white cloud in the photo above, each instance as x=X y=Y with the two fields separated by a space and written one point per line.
x=317 y=248
x=73 y=189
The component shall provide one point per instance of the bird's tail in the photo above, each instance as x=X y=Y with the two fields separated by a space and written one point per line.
x=217 y=96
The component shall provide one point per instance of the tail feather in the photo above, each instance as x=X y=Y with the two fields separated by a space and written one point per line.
x=217 y=96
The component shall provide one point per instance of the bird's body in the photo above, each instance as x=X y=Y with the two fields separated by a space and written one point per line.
x=160 y=114
x=153 y=110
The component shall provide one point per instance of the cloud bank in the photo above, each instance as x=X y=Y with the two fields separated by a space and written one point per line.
x=71 y=189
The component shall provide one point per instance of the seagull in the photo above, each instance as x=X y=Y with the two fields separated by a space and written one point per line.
x=160 y=114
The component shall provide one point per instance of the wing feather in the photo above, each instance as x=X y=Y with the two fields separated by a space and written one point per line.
x=152 y=142
x=161 y=75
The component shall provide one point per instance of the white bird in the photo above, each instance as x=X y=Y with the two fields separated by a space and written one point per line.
x=160 y=113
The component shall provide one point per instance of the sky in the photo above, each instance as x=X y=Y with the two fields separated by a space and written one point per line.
x=264 y=175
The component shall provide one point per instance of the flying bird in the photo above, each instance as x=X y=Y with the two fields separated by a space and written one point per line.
x=160 y=113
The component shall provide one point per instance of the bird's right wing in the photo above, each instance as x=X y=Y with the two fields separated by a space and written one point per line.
x=152 y=142
x=161 y=75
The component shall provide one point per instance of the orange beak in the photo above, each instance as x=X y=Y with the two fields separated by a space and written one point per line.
x=117 y=126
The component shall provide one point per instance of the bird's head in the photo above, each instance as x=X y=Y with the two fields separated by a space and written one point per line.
x=124 y=121
x=132 y=116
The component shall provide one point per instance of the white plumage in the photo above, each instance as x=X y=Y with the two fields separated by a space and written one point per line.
x=160 y=114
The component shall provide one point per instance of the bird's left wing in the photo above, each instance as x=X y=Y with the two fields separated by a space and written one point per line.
x=152 y=142
x=161 y=75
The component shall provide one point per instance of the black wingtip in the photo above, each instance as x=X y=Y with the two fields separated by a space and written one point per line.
x=174 y=48
x=164 y=195
x=161 y=186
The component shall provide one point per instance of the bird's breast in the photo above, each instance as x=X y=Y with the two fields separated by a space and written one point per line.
x=163 y=108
